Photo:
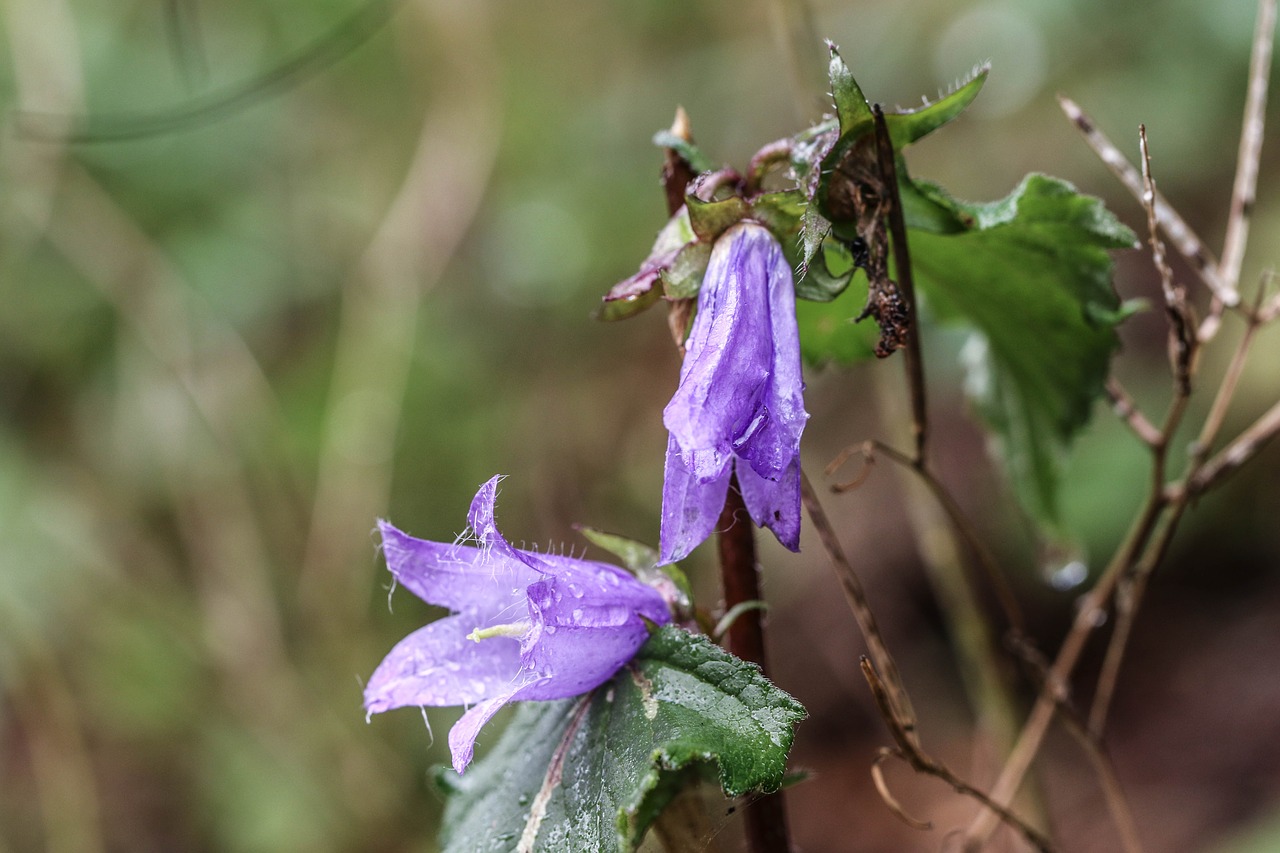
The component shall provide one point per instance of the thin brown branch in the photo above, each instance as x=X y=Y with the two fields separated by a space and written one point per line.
x=1128 y=599
x=856 y=597
x=1088 y=617
x=960 y=523
x=1188 y=244
x=1112 y=793
x=902 y=267
x=909 y=750
x=882 y=787
x=1127 y=410
x=1183 y=341
x=677 y=174
x=766 y=822
x=1237 y=453
x=1244 y=189
x=1226 y=393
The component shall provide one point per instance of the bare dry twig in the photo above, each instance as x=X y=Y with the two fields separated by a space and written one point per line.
x=856 y=596
x=1148 y=541
x=1189 y=245
x=908 y=749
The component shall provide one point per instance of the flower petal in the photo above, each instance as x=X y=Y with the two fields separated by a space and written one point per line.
x=485 y=529
x=774 y=504
x=690 y=508
x=587 y=625
x=728 y=355
x=458 y=577
x=775 y=442
x=437 y=665
x=462 y=737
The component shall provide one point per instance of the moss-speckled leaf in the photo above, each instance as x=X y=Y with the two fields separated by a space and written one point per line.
x=1032 y=277
x=591 y=774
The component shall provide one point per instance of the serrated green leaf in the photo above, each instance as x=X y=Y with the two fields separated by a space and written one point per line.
x=1032 y=277
x=828 y=333
x=591 y=774
x=908 y=126
x=851 y=105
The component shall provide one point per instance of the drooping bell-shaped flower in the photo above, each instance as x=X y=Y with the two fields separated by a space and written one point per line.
x=740 y=404
x=525 y=625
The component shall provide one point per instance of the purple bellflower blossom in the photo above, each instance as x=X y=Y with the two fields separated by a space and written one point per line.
x=739 y=406
x=525 y=625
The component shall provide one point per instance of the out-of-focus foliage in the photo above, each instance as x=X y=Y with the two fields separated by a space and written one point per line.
x=225 y=349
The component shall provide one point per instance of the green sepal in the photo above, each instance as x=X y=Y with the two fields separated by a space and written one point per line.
x=710 y=219
x=636 y=293
x=683 y=278
x=642 y=561
x=691 y=153
x=780 y=212
x=908 y=126
x=623 y=307
x=852 y=110
x=827 y=274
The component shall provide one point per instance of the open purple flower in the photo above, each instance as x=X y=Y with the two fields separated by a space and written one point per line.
x=525 y=625
x=740 y=405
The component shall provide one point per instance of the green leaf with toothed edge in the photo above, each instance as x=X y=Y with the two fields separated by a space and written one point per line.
x=1031 y=276
x=592 y=773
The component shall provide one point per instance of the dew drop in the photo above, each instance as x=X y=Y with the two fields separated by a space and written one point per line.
x=1068 y=576
x=1063 y=565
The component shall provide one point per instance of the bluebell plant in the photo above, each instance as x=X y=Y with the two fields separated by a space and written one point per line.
x=525 y=626
x=739 y=407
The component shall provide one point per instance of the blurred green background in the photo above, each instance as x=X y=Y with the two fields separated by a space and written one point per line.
x=272 y=269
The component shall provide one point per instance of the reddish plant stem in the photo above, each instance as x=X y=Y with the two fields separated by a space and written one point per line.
x=740 y=575
x=766 y=819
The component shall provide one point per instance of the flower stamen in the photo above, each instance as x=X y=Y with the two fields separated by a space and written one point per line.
x=512 y=629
